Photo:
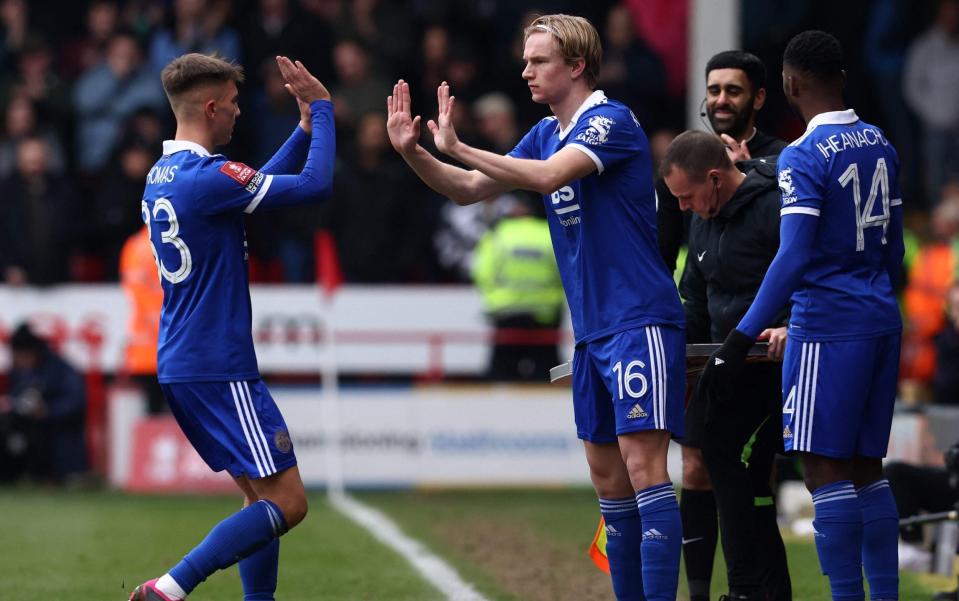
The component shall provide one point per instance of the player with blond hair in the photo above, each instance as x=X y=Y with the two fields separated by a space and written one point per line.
x=591 y=162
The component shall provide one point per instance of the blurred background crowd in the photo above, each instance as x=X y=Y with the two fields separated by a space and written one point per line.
x=83 y=115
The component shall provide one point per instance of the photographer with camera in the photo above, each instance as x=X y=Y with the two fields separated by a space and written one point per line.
x=918 y=488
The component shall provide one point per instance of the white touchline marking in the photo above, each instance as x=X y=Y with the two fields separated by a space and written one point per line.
x=436 y=571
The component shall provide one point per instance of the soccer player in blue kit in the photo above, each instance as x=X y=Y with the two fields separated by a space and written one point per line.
x=841 y=249
x=591 y=163
x=194 y=205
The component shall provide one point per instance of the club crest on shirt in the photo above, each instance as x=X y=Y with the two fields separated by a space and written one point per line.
x=598 y=131
x=786 y=186
x=238 y=171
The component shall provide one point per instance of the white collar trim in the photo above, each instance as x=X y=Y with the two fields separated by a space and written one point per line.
x=172 y=146
x=597 y=97
x=829 y=118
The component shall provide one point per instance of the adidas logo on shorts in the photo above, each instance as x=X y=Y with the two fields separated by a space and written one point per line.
x=636 y=412
x=787 y=433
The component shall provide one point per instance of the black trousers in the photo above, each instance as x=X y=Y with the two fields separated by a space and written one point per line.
x=739 y=437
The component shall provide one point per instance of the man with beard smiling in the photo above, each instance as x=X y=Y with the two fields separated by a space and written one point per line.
x=735 y=92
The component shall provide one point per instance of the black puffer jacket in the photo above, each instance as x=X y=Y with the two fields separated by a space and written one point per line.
x=728 y=257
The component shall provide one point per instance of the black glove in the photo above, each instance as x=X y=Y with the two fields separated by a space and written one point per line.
x=723 y=366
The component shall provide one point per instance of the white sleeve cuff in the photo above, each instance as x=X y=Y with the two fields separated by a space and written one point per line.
x=590 y=154
x=799 y=211
x=259 y=194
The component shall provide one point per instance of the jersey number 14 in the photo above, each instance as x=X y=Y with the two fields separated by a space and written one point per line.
x=864 y=217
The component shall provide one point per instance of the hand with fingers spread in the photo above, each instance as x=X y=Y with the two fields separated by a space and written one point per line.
x=300 y=82
x=444 y=135
x=402 y=128
x=737 y=151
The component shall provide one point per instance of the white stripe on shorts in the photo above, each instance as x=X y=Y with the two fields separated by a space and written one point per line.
x=268 y=464
x=803 y=396
x=654 y=383
x=806 y=395
x=253 y=449
x=663 y=378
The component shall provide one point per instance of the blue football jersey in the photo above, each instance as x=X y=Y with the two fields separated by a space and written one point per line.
x=846 y=173
x=194 y=204
x=603 y=226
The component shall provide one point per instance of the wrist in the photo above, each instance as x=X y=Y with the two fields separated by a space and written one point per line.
x=738 y=340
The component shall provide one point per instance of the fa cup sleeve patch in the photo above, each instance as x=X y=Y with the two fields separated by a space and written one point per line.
x=238 y=171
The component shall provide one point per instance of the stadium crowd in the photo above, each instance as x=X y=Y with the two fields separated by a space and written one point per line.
x=83 y=115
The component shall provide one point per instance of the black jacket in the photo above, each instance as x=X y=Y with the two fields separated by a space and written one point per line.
x=672 y=226
x=728 y=257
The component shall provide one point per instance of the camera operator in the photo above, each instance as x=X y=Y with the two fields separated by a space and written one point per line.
x=928 y=489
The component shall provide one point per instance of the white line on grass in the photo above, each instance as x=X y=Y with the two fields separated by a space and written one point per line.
x=436 y=571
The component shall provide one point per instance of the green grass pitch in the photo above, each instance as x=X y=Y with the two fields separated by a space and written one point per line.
x=514 y=545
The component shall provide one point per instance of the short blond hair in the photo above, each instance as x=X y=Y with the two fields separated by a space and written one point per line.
x=577 y=39
x=190 y=71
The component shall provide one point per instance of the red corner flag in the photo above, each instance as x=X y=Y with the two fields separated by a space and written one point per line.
x=328 y=273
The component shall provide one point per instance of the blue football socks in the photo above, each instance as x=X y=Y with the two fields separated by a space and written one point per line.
x=236 y=537
x=880 y=539
x=662 y=541
x=624 y=539
x=258 y=572
x=838 y=536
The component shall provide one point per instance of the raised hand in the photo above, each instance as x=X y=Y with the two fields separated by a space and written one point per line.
x=301 y=82
x=402 y=127
x=737 y=151
x=444 y=135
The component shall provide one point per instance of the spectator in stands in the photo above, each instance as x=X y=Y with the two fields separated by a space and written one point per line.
x=38 y=219
x=946 y=380
x=380 y=231
x=631 y=70
x=196 y=26
x=43 y=417
x=88 y=49
x=433 y=61
x=359 y=90
x=115 y=216
x=515 y=272
x=36 y=79
x=890 y=26
x=20 y=122
x=930 y=276
x=138 y=276
x=496 y=122
x=106 y=95
x=276 y=116
x=929 y=85
x=276 y=28
x=14 y=17
x=385 y=28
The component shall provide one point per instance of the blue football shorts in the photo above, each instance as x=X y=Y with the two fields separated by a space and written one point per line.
x=234 y=426
x=630 y=381
x=838 y=396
